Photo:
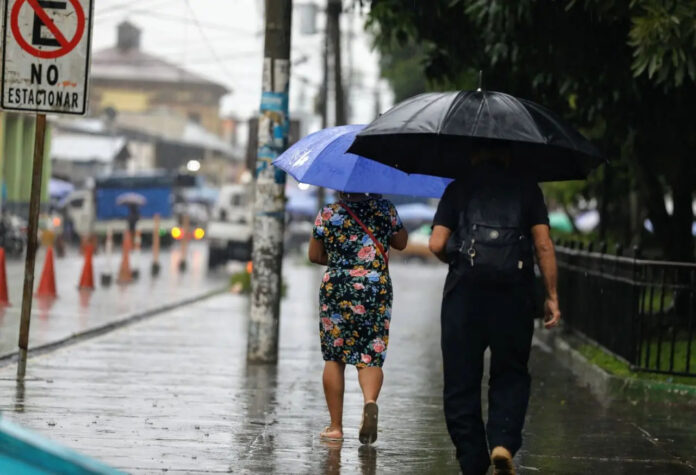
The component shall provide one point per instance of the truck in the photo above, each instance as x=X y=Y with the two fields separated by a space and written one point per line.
x=230 y=226
x=95 y=210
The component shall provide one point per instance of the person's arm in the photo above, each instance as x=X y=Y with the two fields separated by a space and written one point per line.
x=546 y=257
x=445 y=220
x=399 y=239
x=438 y=241
x=317 y=252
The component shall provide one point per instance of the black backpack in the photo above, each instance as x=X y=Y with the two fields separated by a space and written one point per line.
x=490 y=244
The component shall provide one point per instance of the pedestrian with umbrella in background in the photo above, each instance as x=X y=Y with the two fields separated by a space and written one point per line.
x=488 y=224
x=352 y=238
x=132 y=201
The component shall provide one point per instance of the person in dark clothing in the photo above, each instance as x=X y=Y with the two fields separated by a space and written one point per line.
x=480 y=312
x=132 y=218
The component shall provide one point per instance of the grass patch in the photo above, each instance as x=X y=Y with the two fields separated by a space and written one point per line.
x=649 y=353
x=241 y=282
x=660 y=301
x=613 y=365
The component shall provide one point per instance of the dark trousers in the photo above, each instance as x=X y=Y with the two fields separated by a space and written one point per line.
x=475 y=317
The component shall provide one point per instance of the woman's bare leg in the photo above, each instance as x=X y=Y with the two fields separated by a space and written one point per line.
x=370 y=379
x=334 y=385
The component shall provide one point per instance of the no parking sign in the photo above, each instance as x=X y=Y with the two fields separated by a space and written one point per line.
x=46 y=46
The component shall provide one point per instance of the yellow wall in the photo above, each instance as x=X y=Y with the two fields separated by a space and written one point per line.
x=127 y=101
x=183 y=100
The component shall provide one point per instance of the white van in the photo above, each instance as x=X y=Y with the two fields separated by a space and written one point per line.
x=230 y=227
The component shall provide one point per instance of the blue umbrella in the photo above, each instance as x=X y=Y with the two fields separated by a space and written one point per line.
x=320 y=159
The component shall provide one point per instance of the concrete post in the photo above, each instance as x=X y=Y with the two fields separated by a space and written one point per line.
x=269 y=204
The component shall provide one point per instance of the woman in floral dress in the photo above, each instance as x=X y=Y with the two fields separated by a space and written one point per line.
x=355 y=299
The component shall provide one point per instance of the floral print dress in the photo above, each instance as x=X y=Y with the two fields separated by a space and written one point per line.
x=356 y=292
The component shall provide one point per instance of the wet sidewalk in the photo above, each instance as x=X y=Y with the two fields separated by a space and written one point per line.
x=74 y=312
x=175 y=394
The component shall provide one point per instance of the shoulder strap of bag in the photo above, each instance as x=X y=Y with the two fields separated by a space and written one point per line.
x=380 y=248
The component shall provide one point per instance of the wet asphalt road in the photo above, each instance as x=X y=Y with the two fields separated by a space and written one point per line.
x=174 y=393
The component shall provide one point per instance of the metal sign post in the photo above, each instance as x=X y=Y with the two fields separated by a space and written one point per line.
x=45 y=69
x=34 y=205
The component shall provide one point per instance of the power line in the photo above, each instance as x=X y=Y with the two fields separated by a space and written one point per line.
x=179 y=19
x=221 y=64
x=125 y=6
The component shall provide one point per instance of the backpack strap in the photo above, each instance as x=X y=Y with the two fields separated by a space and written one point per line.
x=378 y=244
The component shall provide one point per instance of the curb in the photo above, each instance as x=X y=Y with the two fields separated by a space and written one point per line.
x=128 y=319
x=608 y=387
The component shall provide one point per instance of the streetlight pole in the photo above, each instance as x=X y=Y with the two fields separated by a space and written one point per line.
x=269 y=203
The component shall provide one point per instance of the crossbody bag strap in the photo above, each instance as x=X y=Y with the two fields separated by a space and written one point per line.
x=380 y=248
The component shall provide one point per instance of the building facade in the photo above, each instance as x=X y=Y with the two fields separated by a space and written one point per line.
x=126 y=79
x=16 y=162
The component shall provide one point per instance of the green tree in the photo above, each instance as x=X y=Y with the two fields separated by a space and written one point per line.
x=401 y=65
x=623 y=72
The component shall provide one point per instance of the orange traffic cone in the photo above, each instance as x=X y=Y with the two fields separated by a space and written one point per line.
x=87 y=278
x=124 y=274
x=47 y=285
x=4 y=297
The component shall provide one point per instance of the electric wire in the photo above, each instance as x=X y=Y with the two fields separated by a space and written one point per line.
x=213 y=52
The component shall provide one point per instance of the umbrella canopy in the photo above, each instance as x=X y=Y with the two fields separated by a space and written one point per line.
x=59 y=188
x=559 y=220
x=131 y=198
x=321 y=159
x=434 y=134
x=587 y=221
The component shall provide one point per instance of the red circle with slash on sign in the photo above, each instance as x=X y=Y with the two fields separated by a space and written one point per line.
x=66 y=46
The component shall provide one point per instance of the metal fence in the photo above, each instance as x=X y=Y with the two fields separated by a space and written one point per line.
x=640 y=310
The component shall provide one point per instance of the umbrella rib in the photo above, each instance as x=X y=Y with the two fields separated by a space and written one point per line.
x=478 y=114
x=446 y=115
x=551 y=119
x=413 y=116
x=530 y=117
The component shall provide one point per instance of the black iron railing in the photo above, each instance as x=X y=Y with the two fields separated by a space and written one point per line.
x=640 y=310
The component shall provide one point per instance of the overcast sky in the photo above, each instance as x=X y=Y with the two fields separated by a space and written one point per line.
x=223 y=40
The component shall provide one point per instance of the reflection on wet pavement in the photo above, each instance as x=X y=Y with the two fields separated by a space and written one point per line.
x=54 y=319
x=175 y=393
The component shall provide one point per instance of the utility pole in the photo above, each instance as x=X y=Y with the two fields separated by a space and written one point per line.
x=333 y=23
x=269 y=204
x=332 y=49
x=324 y=103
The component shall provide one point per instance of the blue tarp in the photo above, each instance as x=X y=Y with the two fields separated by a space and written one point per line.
x=159 y=201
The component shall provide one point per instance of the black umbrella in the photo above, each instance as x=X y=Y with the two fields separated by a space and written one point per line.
x=434 y=134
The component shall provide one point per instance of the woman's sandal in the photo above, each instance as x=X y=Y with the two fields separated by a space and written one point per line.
x=323 y=435
x=368 y=427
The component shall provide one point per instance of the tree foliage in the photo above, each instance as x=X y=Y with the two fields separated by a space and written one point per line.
x=401 y=66
x=623 y=72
